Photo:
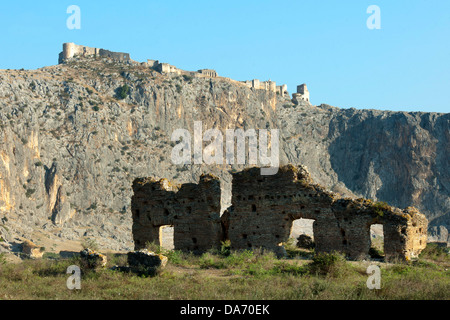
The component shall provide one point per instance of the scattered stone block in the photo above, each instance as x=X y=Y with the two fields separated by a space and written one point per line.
x=92 y=260
x=146 y=262
x=32 y=250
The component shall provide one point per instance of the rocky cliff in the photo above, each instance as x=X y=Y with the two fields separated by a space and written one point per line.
x=70 y=146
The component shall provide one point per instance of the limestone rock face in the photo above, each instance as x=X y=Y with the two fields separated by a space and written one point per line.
x=70 y=150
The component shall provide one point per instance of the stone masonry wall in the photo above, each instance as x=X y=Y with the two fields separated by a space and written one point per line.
x=264 y=208
x=192 y=209
x=262 y=214
x=71 y=50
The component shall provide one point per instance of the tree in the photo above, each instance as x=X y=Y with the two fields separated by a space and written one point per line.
x=123 y=92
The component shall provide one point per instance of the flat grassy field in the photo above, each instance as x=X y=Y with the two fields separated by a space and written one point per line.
x=225 y=275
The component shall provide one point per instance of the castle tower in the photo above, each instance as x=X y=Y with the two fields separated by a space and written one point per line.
x=272 y=86
x=68 y=50
x=303 y=90
x=256 y=84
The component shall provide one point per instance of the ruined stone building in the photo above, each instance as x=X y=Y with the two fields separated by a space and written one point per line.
x=282 y=90
x=163 y=67
x=70 y=50
x=262 y=214
x=261 y=85
x=208 y=73
x=267 y=85
x=301 y=95
x=264 y=208
x=192 y=209
x=167 y=68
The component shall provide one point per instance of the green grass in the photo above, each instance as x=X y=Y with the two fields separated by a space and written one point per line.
x=436 y=253
x=223 y=274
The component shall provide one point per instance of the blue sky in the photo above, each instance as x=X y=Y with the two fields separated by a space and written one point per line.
x=405 y=66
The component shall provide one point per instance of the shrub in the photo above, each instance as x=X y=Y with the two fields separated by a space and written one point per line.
x=51 y=255
x=401 y=269
x=292 y=269
x=175 y=256
x=117 y=259
x=425 y=264
x=435 y=252
x=30 y=192
x=225 y=248
x=89 y=243
x=209 y=260
x=375 y=253
x=237 y=258
x=187 y=78
x=153 y=247
x=331 y=264
x=380 y=207
x=123 y=92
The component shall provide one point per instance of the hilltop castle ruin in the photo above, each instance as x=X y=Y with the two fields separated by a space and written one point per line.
x=262 y=214
x=71 y=50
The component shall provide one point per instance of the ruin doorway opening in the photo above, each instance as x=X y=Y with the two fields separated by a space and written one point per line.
x=302 y=233
x=166 y=237
x=376 y=250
